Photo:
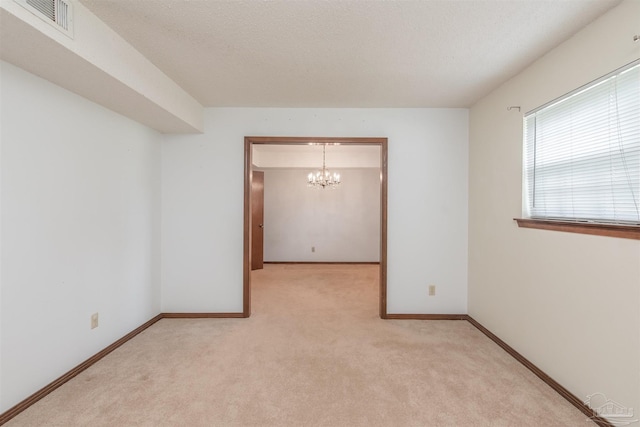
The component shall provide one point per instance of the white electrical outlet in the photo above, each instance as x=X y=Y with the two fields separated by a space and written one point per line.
x=94 y=320
x=432 y=290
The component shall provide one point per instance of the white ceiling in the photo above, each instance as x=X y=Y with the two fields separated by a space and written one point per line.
x=334 y=53
x=310 y=156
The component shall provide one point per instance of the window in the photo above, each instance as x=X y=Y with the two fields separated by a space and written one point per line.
x=582 y=153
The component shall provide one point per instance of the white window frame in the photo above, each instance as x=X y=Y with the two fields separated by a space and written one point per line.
x=565 y=111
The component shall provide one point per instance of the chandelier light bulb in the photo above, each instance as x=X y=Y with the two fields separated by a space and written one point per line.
x=323 y=178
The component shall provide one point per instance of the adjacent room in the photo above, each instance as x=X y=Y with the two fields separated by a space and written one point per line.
x=329 y=226
x=450 y=232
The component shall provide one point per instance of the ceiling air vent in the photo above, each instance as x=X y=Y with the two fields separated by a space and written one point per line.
x=57 y=13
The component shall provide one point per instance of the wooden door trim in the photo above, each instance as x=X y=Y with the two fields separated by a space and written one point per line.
x=249 y=141
x=246 y=259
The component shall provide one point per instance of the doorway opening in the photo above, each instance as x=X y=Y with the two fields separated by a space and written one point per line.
x=249 y=142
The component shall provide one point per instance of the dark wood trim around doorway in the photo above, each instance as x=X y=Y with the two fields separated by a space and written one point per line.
x=249 y=141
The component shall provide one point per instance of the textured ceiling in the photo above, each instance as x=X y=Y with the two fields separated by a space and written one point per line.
x=344 y=53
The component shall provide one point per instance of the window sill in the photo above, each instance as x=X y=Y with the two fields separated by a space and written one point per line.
x=610 y=230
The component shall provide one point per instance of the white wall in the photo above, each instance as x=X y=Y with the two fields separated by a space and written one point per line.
x=80 y=227
x=343 y=224
x=570 y=303
x=97 y=64
x=202 y=203
x=310 y=156
x=1 y=270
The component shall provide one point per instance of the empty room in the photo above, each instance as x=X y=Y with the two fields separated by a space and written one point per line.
x=319 y=213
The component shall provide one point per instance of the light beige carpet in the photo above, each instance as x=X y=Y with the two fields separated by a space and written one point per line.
x=313 y=353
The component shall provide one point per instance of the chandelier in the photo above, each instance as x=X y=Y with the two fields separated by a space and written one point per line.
x=323 y=178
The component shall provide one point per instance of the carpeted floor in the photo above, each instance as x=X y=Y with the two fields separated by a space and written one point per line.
x=313 y=353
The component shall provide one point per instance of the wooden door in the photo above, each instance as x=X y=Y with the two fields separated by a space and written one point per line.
x=257 y=220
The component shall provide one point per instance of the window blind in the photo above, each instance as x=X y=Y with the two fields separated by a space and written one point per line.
x=582 y=152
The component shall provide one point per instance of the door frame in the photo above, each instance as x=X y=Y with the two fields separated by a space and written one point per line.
x=249 y=141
